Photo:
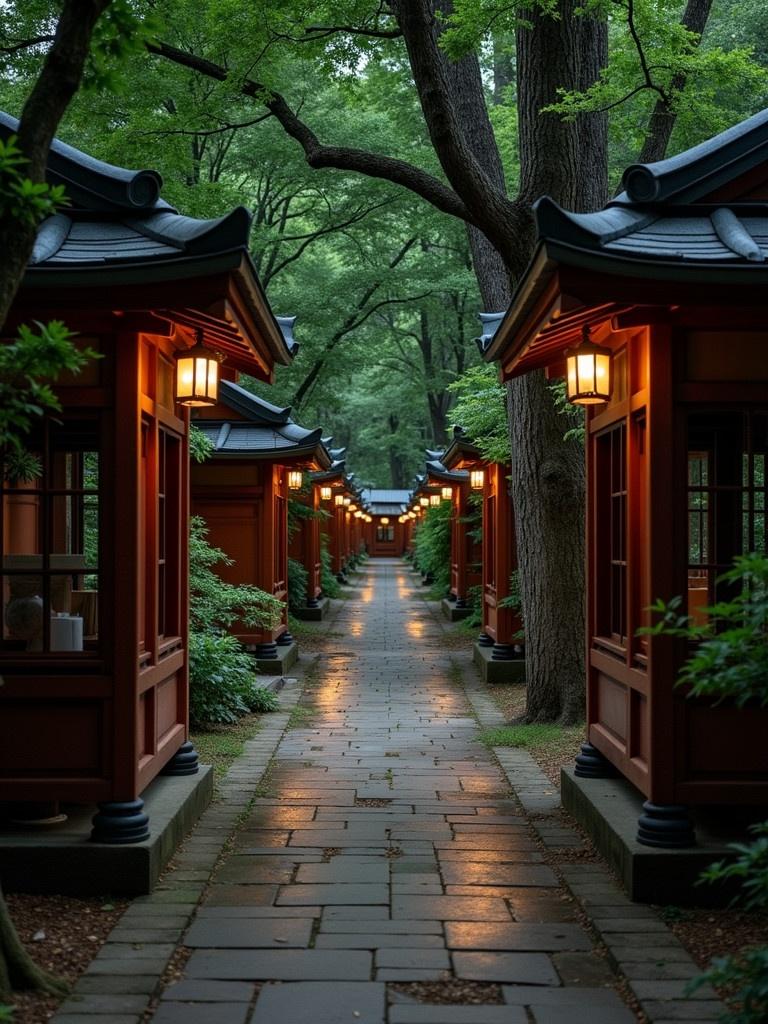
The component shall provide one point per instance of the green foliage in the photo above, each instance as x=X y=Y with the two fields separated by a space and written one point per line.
x=214 y=604
x=23 y=200
x=750 y=867
x=481 y=409
x=731 y=659
x=28 y=366
x=298 y=581
x=200 y=445
x=432 y=542
x=526 y=737
x=223 y=684
x=731 y=663
x=328 y=582
x=573 y=414
x=6 y=1013
x=19 y=465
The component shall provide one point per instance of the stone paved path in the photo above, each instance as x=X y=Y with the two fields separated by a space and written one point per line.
x=387 y=851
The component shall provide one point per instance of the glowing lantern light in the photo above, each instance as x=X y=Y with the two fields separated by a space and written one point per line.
x=424 y=502
x=339 y=500
x=477 y=479
x=588 y=377
x=295 y=479
x=197 y=375
x=385 y=520
x=446 y=493
x=434 y=500
x=325 y=493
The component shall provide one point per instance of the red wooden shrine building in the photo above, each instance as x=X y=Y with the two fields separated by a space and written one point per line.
x=385 y=535
x=260 y=460
x=93 y=649
x=670 y=281
x=466 y=555
x=500 y=631
x=338 y=498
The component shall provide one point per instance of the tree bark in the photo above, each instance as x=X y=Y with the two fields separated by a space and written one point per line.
x=662 y=119
x=57 y=83
x=569 y=163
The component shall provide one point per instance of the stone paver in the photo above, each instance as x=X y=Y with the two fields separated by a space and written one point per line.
x=387 y=847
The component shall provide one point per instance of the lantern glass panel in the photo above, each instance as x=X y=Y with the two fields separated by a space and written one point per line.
x=477 y=479
x=295 y=479
x=446 y=493
x=325 y=493
x=434 y=500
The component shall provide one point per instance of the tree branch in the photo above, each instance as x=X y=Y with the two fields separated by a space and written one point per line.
x=344 y=158
x=26 y=44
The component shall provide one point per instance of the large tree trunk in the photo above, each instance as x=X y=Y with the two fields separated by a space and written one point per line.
x=567 y=162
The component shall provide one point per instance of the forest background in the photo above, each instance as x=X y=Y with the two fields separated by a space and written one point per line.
x=381 y=282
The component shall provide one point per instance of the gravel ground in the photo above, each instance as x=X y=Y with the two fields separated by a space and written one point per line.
x=63 y=934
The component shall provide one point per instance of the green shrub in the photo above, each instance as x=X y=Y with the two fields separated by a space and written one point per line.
x=433 y=545
x=214 y=604
x=298 y=581
x=223 y=683
x=328 y=582
x=731 y=663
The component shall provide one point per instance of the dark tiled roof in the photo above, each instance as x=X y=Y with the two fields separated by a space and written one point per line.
x=490 y=322
x=736 y=234
x=436 y=469
x=118 y=230
x=267 y=431
x=668 y=227
x=697 y=172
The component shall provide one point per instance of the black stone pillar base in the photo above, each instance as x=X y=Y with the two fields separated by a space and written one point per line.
x=340 y=577
x=312 y=602
x=591 y=764
x=120 y=823
x=505 y=652
x=285 y=639
x=484 y=640
x=665 y=825
x=184 y=762
x=461 y=602
x=266 y=651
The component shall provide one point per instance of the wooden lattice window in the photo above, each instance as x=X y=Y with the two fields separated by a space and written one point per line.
x=385 y=534
x=611 y=534
x=51 y=526
x=726 y=496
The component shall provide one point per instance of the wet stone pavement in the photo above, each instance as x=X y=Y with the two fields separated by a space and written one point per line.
x=386 y=866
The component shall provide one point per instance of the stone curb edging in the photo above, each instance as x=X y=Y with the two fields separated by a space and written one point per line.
x=641 y=947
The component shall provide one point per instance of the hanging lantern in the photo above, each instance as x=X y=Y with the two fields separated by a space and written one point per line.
x=424 y=502
x=446 y=493
x=197 y=375
x=358 y=514
x=338 y=500
x=325 y=494
x=295 y=479
x=384 y=520
x=588 y=377
x=434 y=500
x=347 y=502
x=477 y=479
x=411 y=515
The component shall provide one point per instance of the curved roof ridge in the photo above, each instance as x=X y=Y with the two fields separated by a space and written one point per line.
x=734 y=233
x=249 y=404
x=697 y=171
x=196 y=237
x=85 y=176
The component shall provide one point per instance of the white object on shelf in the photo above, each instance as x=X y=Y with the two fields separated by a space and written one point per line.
x=66 y=632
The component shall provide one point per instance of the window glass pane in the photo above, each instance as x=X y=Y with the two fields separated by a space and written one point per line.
x=23 y=612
